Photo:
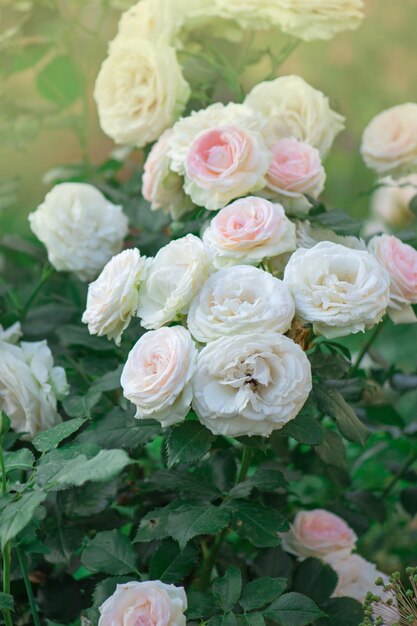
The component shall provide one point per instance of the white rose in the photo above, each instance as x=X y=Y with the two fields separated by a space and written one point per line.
x=151 y=603
x=391 y=201
x=338 y=289
x=140 y=90
x=250 y=384
x=174 y=277
x=356 y=576
x=389 y=142
x=113 y=298
x=308 y=235
x=247 y=231
x=156 y=377
x=254 y=14
x=240 y=299
x=320 y=19
x=30 y=386
x=80 y=229
x=293 y=108
x=162 y=187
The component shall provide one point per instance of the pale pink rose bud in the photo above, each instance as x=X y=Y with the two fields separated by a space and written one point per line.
x=400 y=261
x=151 y=603
x=295 y=170
x=317 y=533
x=247 y=231
x=223 y=164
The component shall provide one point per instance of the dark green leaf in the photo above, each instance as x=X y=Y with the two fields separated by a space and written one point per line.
x=306 y=429
x=71 y=335
x=293 y=609
x=6 y=601
x=16 y=515
x=110 y=552
x=170 y=564
x=316 y=579
x=261 y=591
x=48 y=439
x=342 y=612
x=251 y=619
x=59 y=81
x=229 y=619
x=409 y=500
x=154 y=525
x=264 y=480
x=80 y=406
x=190 y=520
x=259 y=524
x=188 y=442
x=200 y=605
x=332 y=403
x=332 y=450
x=226 y=589
x=63 y=541
x=178 y=481
x=118 y=428
x=108 y=382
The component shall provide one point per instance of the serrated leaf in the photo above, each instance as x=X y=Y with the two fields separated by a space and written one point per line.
x=315 y=579
x=188 y=442
x=332 y=403
x=261 y=591
x=6 y=602
x=264 y=480
x=332 y=450
x=258 y=524
x=154 y=524
x=170 y=564
x=110 y=552
x=62 y=542
x=200 y=605
x=120 y=429
x=293 y=609
x=305 y=429
x=179 y=481
x=16 y=515
x=20 y=460
x=108 y=382
x=59 y=81
x=48 y=439
x=342 y=612
x=80 y=406
x=251 y=619
x=226 y=589
x=190 y=520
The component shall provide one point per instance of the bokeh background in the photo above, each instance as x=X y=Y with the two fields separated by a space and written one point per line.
x=51 y=51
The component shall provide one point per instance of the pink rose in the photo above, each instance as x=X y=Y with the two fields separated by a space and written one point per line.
x=150 y=603
x=295 y=170
x=318 y=532
x=247 y=231
x=400 y=261
x=223 y=164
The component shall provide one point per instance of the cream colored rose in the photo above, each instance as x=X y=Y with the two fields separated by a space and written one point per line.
x=30 y=386
x=254 y=14
x=162 y=187
x=317 y=533
x=113 y=298
x=292 y=108
x=400 y=261
x=391 y=201
x=240 y=299
x=250 y=384
x=151 y=603
x=356 y=576
x=140 y=90
x=80 y=229
x=156 y=377
x=320 y=19
x=338 y=289
x=247 y=231
x=389 y=142
x=173 y=279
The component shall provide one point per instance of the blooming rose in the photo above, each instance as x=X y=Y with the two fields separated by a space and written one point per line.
x=356 y=576
x=240 y=299
x=140 y=90
x=391 y=201
x=247 y=231
x=338 y=289
x=250 y=384
x=295 y=170
x=156 y=376
x=389 y=142
x=320 y=19
x=225 y=163
x=162 y=187
x=308 y=235
x=400 y=261
x=293 y=108
x=113 y=298
x=30 y=386
x=150 y=603
x=174 y=276
x=317 y=533
x=80 y=228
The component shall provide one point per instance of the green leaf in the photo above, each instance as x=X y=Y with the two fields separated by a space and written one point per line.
x=106 y=588
x=409 y=500
x=178 y=481
x=6 y=601
x=80 y=406
x=200 y=605
x=108 y=382
x=16 y=515
x=315 y=579
x=119 y=429
x=20 y=460
x=342 y=612
x=251 y=619
x=72 y=335
x=228 y=619
x=48 y=439
x=170 y=564
x=154 y=525
x=110 y=552
x=226 y=589
x=87 y=500
x=293 y=609
x=190 y=520
x=333 y=404
x=59 y=81
x=258 y=524
x=306 y=429
x=63 y=541
x=261 y=591
x=332 y=450
x=264 y=480
x=188 y=442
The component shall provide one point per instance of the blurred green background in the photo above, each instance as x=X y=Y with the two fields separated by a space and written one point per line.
x=51 y=51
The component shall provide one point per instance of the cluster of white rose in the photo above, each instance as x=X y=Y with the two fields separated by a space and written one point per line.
x=323 y=535
x=30 y=385
x=141 y=89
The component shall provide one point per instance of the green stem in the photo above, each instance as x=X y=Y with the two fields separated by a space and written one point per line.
x=244 y=466
x=411 y=459
x=3 y=469
x=7 y=548
x=367 y=345
x=25 y=573
x=46 y=273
